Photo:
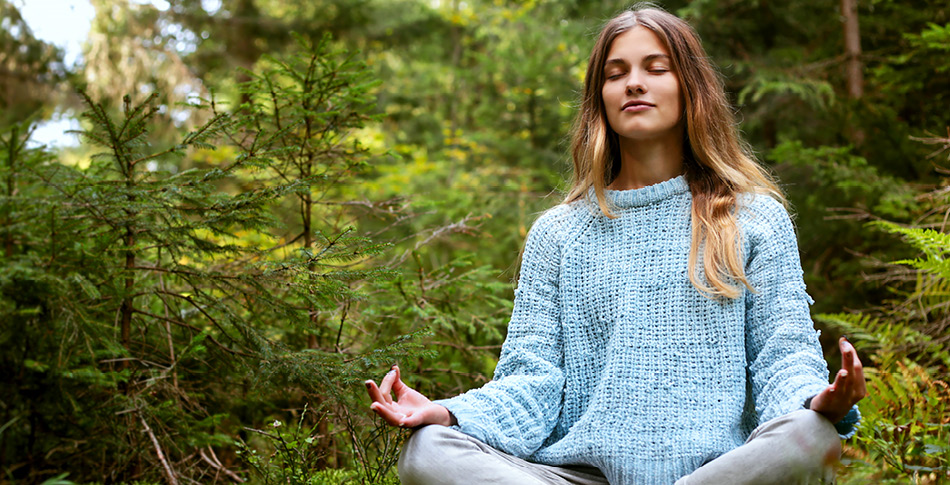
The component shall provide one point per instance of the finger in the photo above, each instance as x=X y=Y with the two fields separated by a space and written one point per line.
x=398 y=386
x=818 y=402
x=847 y=354
x=851 y=361
x=387 y=413
x=857 y=370
x=415 y=420
x=374 y=393
x=840 y=382
x=855 y=386
x=431 y=414
x=860 y=385
x=385 y=387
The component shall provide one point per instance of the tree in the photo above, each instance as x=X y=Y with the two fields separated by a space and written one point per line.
x=163 y=293
x=132 y=49
x=29 y=69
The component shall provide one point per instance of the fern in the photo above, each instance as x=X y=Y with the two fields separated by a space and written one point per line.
x=934 y=245
x=906 y=427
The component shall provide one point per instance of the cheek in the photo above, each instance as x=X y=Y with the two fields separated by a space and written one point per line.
x=607 y=94
x=676 y=95
x=609 y=101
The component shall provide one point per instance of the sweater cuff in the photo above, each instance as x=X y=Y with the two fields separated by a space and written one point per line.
x=467 y=418
x=848 y=426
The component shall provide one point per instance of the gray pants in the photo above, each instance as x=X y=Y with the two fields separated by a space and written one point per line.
x=799 y=448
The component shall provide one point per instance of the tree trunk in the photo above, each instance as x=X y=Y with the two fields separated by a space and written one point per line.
x=12 y=155
x=244 y=35
x=852 y=45
x=127 y=308
x=853 y=68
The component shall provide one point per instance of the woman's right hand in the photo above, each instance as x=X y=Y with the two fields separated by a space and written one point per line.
x=410 y=409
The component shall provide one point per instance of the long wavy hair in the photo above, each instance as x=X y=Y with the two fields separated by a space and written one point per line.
x=718 y=164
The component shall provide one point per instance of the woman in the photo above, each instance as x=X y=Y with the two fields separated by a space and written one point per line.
x=661 y=330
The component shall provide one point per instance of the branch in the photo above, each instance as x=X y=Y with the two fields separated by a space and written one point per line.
x=153 y=155
x=460 y=226
x=216 y=464
x=158 y=451
x=467 y=347
x=194 y=328
x=185 y=272
x=936 y=140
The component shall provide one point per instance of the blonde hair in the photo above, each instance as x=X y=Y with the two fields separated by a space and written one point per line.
x=718 y=165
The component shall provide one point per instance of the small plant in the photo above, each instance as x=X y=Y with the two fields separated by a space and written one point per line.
x=296 y=455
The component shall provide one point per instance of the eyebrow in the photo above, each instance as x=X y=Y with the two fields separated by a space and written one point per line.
x=648 y=58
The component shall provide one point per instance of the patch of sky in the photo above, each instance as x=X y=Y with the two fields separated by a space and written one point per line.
x=64 y=23
x=53 y=132
x=211 y=6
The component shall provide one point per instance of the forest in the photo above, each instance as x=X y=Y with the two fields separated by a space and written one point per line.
x=270 y=201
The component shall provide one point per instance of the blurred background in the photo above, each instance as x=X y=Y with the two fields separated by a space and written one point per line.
x=220 y=216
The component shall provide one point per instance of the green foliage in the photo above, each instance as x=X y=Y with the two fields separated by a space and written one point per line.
x=828 y=182
x=906 y=416
x=102 y=273
x=817 y=93
x=162 y=296
x=905 y=430
x=836 y=174
x=305 y=226
x=156 y=301
x=58 y=480
x=295 y=455
x=935 y=247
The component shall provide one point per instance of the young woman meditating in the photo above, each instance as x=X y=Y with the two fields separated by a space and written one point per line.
x=661 y=330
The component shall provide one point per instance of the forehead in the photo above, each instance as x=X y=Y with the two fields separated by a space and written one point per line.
x=636 y=44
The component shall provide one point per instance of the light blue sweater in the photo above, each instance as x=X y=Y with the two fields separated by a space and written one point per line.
x=613 y=359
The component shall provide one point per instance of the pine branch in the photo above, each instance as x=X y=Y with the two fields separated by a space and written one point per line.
x=194 y=329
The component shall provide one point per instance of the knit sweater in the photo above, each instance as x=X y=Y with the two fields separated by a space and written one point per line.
x=614 y=359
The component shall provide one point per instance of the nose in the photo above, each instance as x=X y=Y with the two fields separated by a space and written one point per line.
x=635 y=83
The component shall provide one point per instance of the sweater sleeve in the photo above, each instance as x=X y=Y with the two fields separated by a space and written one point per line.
x=785 y=361
x=519 y=408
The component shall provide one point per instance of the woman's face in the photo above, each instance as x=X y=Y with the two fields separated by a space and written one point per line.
x=641 y=92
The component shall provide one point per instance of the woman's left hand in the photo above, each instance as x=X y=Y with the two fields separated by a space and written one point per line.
x=836 y=400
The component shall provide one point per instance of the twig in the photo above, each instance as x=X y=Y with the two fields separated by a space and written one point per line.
x=203 y=312
x=936 y=140
x=455 y=227
x=196 y=329
x=467 y=347
x=265 y=433
x=168 y=331
x=216 y=464
x=339 y=333
x=158 y=451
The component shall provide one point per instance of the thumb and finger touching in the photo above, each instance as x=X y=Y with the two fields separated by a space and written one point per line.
x=386 y=385
x=405 y=411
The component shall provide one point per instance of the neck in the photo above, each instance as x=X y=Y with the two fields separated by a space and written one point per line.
x=648 y=162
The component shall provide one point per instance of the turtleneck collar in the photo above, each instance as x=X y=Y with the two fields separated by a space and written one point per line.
x=645 y=195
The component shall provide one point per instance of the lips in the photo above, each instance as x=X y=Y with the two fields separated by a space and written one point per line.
x=636 y=103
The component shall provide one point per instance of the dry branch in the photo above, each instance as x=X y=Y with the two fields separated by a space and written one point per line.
x=216 y=464
x=158 y=451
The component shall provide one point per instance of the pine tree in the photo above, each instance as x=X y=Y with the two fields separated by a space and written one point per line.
x=149 y=315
